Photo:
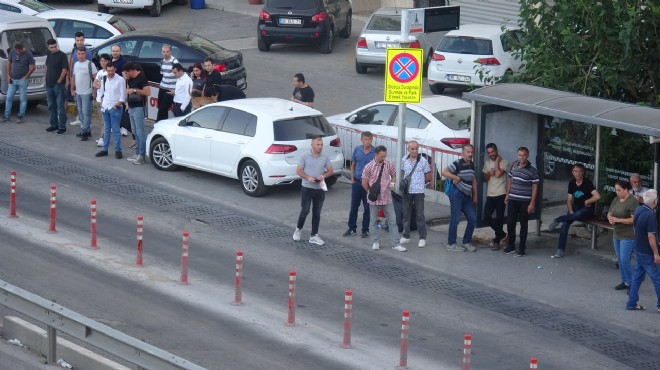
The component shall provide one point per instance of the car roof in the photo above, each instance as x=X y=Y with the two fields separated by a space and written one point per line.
x=437 y=103
x=12 y=17
x=74 y=14
x=180 y=37
x=479 y=30
x=276 y=107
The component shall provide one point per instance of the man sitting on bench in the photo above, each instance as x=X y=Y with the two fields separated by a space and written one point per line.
x=582 y=195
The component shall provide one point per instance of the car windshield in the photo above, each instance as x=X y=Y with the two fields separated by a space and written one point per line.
x=34 y=39
x=466 y=45
x=36 y=5
x=455 y=119
x=294 y=4
x=203 y=45
x=385 y=22
x=301 y=128
x=121 y=25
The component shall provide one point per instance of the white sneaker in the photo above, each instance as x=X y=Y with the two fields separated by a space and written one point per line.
x=375 y=247
x=296 y=234
x=422 y=243
x=554 y=225
x=99 y=142
x=132 y=158
x=455 y=248
x=469 y=247
x=75 y=123
x=404 y=240
x=139 y=160
x=316 y=240
x=123 y=132
x=399 y=248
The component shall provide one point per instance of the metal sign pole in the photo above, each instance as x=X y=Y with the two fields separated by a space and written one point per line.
x=401 y=143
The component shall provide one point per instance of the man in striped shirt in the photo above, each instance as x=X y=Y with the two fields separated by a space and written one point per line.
x=520 y=197
x=463 y=198
x=167 y=83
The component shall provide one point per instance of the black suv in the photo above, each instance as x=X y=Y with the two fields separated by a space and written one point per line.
x=304 y=22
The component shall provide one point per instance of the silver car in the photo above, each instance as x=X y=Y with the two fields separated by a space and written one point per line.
x=382 y=31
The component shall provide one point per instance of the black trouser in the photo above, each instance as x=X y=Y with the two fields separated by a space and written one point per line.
x=178 y=112
x=497 y=205
x=164 y=103
x=517 y=211
x=315 y=198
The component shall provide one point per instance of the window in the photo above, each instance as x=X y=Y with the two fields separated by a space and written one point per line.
x=34 y=39
x=9 y=8
x=70 y=27
x=126 y=46
x=301 y=128
x=374 y=115
x=102 y=33
x=415 y=120
x=385 y=22
x=455 y=119
x=466 y=45
x=207 y=117
x=294 y=4
x=151 y=50
x=236 y=121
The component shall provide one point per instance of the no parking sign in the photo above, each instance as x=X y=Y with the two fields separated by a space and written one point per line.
x=403 y=75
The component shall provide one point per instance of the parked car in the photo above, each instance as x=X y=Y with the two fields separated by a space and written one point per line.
x=153 y=6
x=27 y=7
x=475 y=55
x=258 y=141
x=97 y=27
x=145 y=47
x=304 y=22
x=440 y=124
x=382 y=31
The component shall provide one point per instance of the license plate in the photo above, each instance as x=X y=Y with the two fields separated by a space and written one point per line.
x=385 y=45
x=122 y=1
x=240 y=82
x=459 y=78
x=291 y=21
x=34 y=81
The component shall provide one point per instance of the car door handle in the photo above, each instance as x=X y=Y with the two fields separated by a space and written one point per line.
x=207 y=136
x=417 y=138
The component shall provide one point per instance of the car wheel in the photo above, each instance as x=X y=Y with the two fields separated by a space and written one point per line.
x=331 y=181
x=155 y=9
x=103 y=9
x=360 y=68
x=251 y=181
x=263 y=45
x=437 y=89
x=346 y=32
x=160 y=154
x=326 y=45
x=427 y=62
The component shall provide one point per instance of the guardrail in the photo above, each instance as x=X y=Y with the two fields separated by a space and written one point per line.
x=58 y=318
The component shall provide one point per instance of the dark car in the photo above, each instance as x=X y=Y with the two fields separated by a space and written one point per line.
x=145 y=47
x=304 y=22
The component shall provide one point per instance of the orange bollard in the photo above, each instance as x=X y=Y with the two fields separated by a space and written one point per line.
x=292 y=294
x=12 y=195
x=93 y=244
x=53 y=212
x=238 y=292
x=348 y=319
x=140 y=221
x=467 y=352
x=184 y=258
x=405 y=328
x=533 y=363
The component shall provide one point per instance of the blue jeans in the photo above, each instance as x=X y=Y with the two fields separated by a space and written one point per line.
x=461 y=203
x=566 y=220
x=314 y=198
x=416 y=202
x=137 y=127
x=624 y=250
x=84 y=104
x=358 y=195
x=56 y=106
x=112 y=119
x=390 y=216
x=21 y=85
x=643 y=265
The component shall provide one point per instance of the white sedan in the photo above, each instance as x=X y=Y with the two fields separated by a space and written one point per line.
x=475 y=55
x=258 y=141
x=97 y=27
x=27 y=7
x=440 y=124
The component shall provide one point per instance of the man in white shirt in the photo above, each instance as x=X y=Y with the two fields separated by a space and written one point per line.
x=113 y=93
x=182 y=91
x=101 y=76
x=84 y=73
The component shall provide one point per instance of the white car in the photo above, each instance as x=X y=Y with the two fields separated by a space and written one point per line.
x=475 y=55
x=440 y=124
x=153 y=6
x=258 y=141
x=97 y=27
x=27 y=7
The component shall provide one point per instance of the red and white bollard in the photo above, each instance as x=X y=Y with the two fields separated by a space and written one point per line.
x=53 y=212
x=292 y=295
x=533 y=363
x=238 y=293
x=467 y=352
x=12 y=196
x=348 y=319
x=140 y=220
x=184 y=258
x=93 y=244
x=405 y=328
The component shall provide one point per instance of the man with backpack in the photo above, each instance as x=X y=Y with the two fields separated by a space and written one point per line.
x=84 y=73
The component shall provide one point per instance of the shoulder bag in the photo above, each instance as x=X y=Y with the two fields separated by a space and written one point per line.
x=374 y=190
x=404 y=185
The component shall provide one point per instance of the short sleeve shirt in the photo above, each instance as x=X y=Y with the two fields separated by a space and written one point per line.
x=580 y=193
x=305 y=94
x=465 y=171
x=20 y=63
x=371 y=172
x=139 y=82
x=361 y=159
x=83 y=78
x=523 y=179
x=417 y=180
x=313 y=166
x=55 y=63
x=644 y=223
x=496 y=185
x=623 y=209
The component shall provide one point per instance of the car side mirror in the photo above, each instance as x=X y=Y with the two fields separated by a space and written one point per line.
x=183 y=123
x=352 y=118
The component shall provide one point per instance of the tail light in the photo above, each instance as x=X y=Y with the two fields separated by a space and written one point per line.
x=263 y=16
x=455 y=142
x=281 y=149
x=320 y=17
x=221 y=67
x=362 y=43
x=415 y=45
x=336 y=142
x=488 y=61
x=438 y=57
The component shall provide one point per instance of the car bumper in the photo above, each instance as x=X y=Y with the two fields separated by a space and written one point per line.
x=283 y=173
x=449 y=77
x=292 y=35
x=236 y=77
x=364 y=56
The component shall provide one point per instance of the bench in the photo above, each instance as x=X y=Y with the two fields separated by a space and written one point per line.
x=596 y=223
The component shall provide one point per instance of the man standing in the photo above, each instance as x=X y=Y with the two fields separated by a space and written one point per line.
x=636 y=187
x=138 y=89
x=313 y=168
x=462 y=198
x=84 y=73
x=362 y=155
x=647 y=258
x=167 y=83
x=113 y=93
x=101 y=76
x=117 y=59
x=495 y=168
x=521 y=192
x=20 y=65
x=182 y=91
x=302 y=92
x=381 y=171
x=57 y=69
x=582 y=195
x=417 y=167
x=72 y=58
x=213 y=79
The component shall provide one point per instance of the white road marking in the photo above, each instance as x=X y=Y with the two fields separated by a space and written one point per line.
x=239 y=44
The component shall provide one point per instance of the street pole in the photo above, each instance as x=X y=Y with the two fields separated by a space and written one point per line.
x=401 y=143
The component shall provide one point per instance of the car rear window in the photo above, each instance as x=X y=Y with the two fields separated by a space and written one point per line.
x=385 y=22
x=37 y=6
x=204 y=46
x=34 y=39
x=455 y=119
x=466 y=45
x=121 y=25
x=294 y=4
x=301 y=128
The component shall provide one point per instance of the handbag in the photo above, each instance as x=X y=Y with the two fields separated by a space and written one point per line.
x=135 y=99
x=374 y=190
x=448 y=185
x=405 y=182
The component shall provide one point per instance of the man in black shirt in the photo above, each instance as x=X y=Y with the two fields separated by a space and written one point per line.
x=302 y=92
x=57 y=68
x=138 y=89
x=213 y=79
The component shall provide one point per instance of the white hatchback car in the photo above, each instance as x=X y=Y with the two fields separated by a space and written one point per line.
x=475 y=55
x=27 y=7
x=153 y=6
x=258 y=141
x=97 y=27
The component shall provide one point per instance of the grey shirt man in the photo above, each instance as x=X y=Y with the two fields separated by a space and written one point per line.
x=315 y=167
x=20 y=63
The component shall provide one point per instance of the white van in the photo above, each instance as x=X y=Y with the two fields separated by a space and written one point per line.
x=33 y=32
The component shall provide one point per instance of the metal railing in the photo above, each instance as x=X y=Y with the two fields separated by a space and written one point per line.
x=58 y=318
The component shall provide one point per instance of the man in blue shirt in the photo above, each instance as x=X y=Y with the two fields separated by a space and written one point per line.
x=20 y=65
x=362 y=155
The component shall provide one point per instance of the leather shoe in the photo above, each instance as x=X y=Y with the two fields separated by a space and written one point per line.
x=102 y=153
x=621 y=286
x=118 y=155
